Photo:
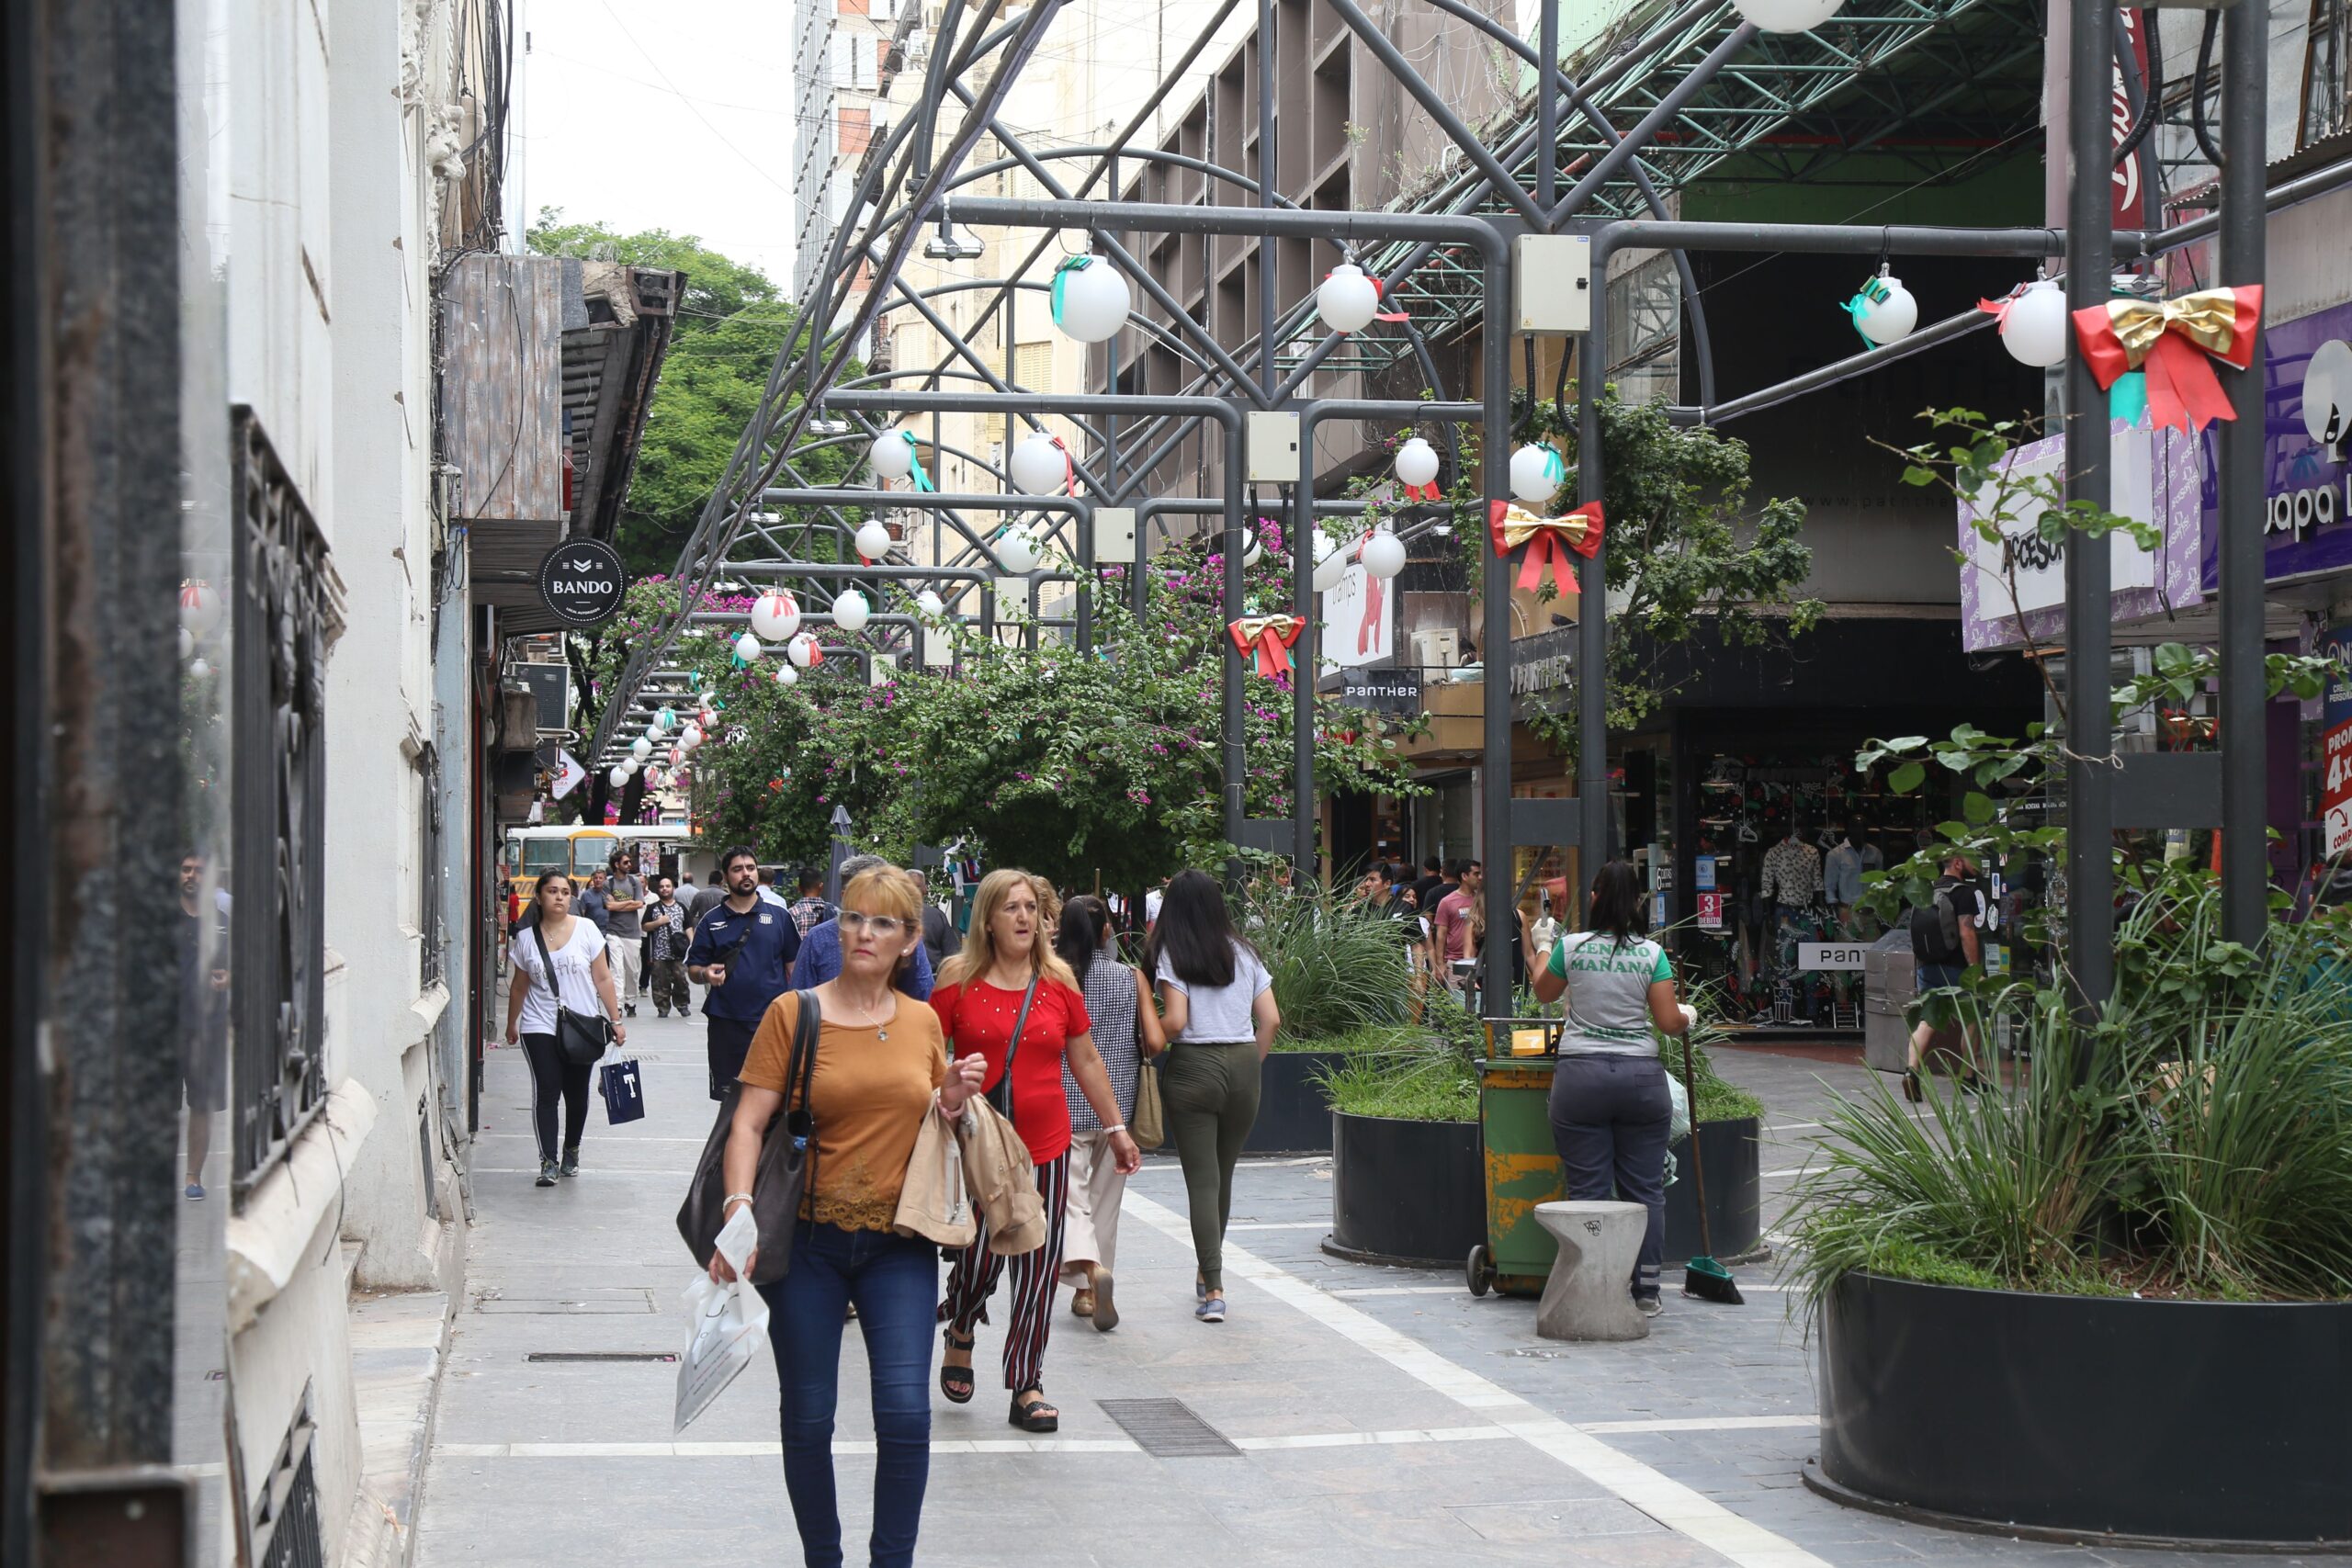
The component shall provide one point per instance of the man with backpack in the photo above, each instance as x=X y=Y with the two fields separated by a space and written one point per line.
x=1944 y=947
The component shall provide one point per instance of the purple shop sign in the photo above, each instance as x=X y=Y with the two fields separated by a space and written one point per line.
x=2307 y=380
x=2155 y=478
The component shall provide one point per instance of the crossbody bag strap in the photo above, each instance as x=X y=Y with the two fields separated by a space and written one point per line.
x=1012 y=1045
x=546 y=963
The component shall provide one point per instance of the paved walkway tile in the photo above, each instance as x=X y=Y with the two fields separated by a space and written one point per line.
x=1385 y=1415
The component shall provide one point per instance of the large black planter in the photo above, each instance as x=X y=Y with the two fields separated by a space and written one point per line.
x=1735 y=1193
x=2208 y=1422
x=1409 y=1192
x=1293 y=1116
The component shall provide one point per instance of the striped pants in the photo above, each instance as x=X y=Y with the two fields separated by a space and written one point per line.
x=1035 y=1277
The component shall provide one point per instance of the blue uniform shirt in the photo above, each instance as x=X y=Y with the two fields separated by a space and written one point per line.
x=820 y=960
x=757 y=975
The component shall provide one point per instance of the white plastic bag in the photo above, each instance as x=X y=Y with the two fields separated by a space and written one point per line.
x=728 y=1324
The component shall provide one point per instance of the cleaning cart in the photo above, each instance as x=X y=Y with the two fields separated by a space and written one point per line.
x=1522 y=1168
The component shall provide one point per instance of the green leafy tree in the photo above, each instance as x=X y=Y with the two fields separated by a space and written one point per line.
x=732 y=321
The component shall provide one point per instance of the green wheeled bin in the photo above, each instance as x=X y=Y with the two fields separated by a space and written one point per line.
x=1522 y=1168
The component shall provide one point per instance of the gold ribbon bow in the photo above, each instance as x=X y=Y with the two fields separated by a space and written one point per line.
x=1271 y=635
x=1548 y=539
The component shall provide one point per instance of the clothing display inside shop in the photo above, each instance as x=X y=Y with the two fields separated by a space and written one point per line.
x=1779 y=850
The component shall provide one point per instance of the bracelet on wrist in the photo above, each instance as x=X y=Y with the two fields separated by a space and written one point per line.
x=1120 y=1128
x=732 y=1199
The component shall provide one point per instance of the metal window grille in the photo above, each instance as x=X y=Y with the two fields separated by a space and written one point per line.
x=286 y=1516
x=287 y=615
x=432 y=843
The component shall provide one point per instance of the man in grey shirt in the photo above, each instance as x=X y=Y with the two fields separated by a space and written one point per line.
x=624 y=932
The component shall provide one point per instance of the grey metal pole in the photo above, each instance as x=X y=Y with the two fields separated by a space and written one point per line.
x=1305 y=659
x=1268 y=175
x=1650 y=124
x=2245 y=850
x=2090 y=815
x=1547 y=106
x=1237 y=753
x=1592 y=621
x=1494 y=651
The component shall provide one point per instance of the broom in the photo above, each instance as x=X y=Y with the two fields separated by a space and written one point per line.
x=1705 y=1279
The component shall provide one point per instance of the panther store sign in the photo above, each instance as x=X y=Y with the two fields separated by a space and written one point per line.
x=582 y=582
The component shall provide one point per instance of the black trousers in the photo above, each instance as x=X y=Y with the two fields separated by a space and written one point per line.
x=1612 y=1119
x=553 y=1076
x=728 y=1042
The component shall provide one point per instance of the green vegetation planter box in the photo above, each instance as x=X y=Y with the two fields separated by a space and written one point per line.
x=1293 y=1118
x=2088 y=1417
x=1405 y=1192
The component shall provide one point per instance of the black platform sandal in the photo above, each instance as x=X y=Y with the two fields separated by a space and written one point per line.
x=1036 y=1415
x=1911 y=1089
x=956 y=1382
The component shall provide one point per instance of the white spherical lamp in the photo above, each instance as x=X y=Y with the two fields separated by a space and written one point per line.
x=677 y=757
x=851 y=610
x=775 y=616
x=802 y=651
x=786 y=675
x=187 y=643
x=1788 y=16
x=2034 y=328
x=748 y=649
x=666 y=721
x=1330 y=562
x=1091 y=299
x=1536 y=474
x=617 y=777
x=689 y=738
x=1417 y=463
x=1040 y=466
x=200 y=608
x=1253 y=546
x=1347 y=300
x=641 y=748
x=892 y=455
x=1017 y=550
x=1884 y=311
x=874 y=540
x=929 y=605
x=1383 y=554
x=199 y=668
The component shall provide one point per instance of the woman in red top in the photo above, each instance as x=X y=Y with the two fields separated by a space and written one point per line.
x=977 y=999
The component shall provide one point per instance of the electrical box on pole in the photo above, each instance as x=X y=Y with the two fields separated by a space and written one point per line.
x=1550 y=283
x=1114 y=535
x=1273 y=447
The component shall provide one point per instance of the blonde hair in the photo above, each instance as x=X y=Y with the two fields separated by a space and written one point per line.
x=978 y=955
x=885 y=890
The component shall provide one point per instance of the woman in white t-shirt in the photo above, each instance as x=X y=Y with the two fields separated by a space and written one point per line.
x=1217 y=1005
x=1611 y=1112
x=584 y=982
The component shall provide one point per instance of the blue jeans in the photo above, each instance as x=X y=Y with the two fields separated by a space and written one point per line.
x=894 y=1279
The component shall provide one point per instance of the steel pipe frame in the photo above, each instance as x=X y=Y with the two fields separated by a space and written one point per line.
x=2245 y=849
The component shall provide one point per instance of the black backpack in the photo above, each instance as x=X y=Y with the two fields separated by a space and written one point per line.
x=1941 y=933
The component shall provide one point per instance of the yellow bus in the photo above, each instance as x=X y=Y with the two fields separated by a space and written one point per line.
x=531 y=853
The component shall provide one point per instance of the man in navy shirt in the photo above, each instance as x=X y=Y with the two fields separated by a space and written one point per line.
x=820 y=949
x=743 y=950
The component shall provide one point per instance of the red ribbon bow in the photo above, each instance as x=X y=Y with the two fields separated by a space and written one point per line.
x=1382 y=294
x=1422 y=493
x=1548 y=540
x=2172 y=340
x=1271 y=635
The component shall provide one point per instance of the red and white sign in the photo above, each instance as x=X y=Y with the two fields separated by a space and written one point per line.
x=1710 y=911
x=2336 y=789
x=2131 y=183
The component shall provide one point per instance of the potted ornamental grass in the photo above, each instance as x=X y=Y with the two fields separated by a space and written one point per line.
x=1343 y=986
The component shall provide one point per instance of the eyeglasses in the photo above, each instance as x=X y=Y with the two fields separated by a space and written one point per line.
x=886 y=927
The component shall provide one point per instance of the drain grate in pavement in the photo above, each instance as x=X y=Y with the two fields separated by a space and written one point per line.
x=602 y=1356
x=1167 y=1429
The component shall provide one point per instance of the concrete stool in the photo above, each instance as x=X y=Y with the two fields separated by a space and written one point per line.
x=1589 y=1293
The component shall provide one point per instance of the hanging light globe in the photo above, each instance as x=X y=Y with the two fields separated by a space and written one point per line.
x=1040 y=466
x=1253 y=546
x=892 y=455
x=1417 y=463
x=1090 y=300
x=1884 y=311
x=851 y=610
x=677 y=757
x=2034 y=329
x=748 y=649
x=666 y=721
x=617 y=777
x=690 y=738
x=1788 y=16
x=802 y=651
x=1536 y=474
x=641 y=748
x=200 y=608
x=1347 y=300
x=930 y=606
x=1017 y=550
x=874 y=540
x=1383 y=554
x=1330 y=562
x=199 y=668
x=775 y=616
x=786 y=675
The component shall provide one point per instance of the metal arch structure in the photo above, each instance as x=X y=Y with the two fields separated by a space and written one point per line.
x=1692 y=87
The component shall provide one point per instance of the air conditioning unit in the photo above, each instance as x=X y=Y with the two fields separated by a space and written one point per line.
x=1437 y=650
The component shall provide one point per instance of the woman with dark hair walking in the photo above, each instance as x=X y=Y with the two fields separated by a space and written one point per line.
x=1217 y=1004
x=558 y=961
x=1126 y=1030
x=1008 y=997
x=1611 y=1112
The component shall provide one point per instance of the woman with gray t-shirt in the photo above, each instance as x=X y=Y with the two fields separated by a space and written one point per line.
x=1217 y=1005
x=1610 y=1109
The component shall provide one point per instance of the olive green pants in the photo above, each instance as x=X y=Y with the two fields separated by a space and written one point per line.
x=1210 y=1095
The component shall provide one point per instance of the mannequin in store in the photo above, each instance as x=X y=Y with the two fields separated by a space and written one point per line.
x=1790 y=884
x=1841 y=875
